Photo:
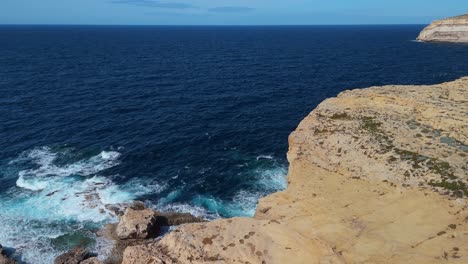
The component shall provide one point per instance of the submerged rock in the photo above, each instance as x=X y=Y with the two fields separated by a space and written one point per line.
x=72 y=240
x=4 y=259
x=453 y=29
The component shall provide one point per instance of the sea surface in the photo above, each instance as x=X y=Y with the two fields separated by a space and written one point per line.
x=192 y=119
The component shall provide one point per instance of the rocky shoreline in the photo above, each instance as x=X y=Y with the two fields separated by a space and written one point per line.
x=453 y=29
x=137 y=225
x=376 y=175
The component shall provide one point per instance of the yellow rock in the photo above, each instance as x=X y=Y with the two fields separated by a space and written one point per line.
x=376 y=175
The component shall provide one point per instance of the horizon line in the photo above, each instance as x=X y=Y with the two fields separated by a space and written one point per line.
x=215 y=25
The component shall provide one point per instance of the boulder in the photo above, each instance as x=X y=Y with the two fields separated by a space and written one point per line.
x=74 y=256
x=137 y=224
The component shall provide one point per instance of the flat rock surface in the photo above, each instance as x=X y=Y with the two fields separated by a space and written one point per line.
x=376 y=175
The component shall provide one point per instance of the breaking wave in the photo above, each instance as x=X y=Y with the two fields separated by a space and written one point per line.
x=57 y=195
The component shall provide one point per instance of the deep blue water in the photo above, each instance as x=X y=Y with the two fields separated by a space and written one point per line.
x=185 y=118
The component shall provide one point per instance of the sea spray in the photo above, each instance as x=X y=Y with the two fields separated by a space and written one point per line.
x=60 y=200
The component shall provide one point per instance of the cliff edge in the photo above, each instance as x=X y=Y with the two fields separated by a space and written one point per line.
x=453 y=29
x=377 y=175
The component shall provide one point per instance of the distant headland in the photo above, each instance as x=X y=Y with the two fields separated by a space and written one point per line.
x=453 y=29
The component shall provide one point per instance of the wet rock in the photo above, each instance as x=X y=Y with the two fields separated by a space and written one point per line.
x=116 y=209
x=4 y=259
x=173 y=219
x=74 y=256
x=119 y=209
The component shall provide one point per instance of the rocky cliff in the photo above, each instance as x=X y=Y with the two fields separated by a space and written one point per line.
x=377 y=175
x=454 y=29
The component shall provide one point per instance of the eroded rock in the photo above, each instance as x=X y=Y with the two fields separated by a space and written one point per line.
x=137 y=224
x=74 y=256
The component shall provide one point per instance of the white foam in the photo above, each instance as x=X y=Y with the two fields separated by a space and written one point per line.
x=33 y=185
x=221 y=208
x=272 y=179
x=48 y=197
x=38 y=178
x=110 y=155
x=197 y=211
x=247 y=202
x=244 y=202
x=268 y=157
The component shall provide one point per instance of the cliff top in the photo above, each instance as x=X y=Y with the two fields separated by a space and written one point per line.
x=462 y=19
x=376 y=175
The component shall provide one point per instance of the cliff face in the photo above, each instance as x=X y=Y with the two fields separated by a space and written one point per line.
x=454 y=29
x=376 y=175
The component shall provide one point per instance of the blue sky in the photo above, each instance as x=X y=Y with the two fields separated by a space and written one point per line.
x=227 y=12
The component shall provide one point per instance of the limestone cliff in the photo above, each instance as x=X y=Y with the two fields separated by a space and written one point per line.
x=454 y=29
x=376 y=175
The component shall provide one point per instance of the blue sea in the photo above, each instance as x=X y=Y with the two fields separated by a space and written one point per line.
x=191 y=119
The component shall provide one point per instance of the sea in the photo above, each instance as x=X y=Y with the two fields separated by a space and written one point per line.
x=185 y=118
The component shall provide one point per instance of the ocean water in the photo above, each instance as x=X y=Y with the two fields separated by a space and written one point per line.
x=193 y=119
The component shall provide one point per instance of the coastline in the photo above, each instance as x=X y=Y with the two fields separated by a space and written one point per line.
x=452 y=29
x=367 y=172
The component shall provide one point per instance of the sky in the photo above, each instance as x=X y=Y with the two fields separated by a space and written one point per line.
x=228 y=12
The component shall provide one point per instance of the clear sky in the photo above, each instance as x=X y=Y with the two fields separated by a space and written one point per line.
x=228 y=12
